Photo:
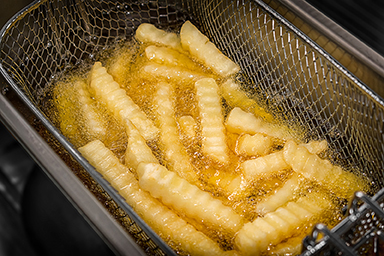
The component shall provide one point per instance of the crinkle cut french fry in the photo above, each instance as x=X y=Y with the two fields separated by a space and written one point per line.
x=316 y=147
x=236 y=97
x=137 y=149
x=255 y=237
x=267 y=164
x=67 y=111
x=68 y=123
x=254 y=145
x=239 y=121
x=292 y=246
x=148 y=33
x=92 y=119
x=282 y=195
x=169 y=57
x=205 y=51
x=212 y=120
x=311 y=166
x=188 y=126
x=174 y=150
x=103 y=159
x=226 y=184
x=119 y=65
x=118 y=102
x=161 y=219
x=178 y=74
x=273 y=162
x=79 y=118
x=182 y=196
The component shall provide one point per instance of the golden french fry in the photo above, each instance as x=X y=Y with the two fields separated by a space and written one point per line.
x=92 y=119
x=274 y=162
x=281 y=196
x=165 y=222
x=188 y=126
x=255 y=237
x=118 y=102
x=311 y=166
x=236 y=97
x=137 y=149
x=148 y=33
x=239 y=121
x=178 y=74
x=226 y=184
x=212 y=120
x=66 y=113
x=174 y=151
x=119 y=65
x=292 y=246
x=263 y=165
x=205 y=51
x=254 y=145
x=169 y=57
x=316 y=147
x=188 y=199
x=79 y=118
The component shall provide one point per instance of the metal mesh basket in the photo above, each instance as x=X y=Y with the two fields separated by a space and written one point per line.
x=294 y=77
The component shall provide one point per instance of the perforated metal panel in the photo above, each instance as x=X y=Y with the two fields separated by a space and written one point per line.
x=294 y=78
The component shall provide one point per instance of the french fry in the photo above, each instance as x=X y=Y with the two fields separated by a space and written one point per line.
x=290 y=217
x=165 y=222
x=292 y=246
x=239 y=121
x=274 y=162
x=205 y=51
x=282 y=195
x=188 y=199
x=137 y=149
x=236 y=97
x=92 y=119
x=254 y=145
x=311 y=166
x=169 y=57
x=254 y=169
x=148 y=33
x=78 y=115
x=212 y=120
x=188 y=126
x=174 y=151
x=255 y=237
x=316 y=147
x=263 y=165
x=119 y=65
x=118 y=102
x=226 y=183
x=178 y=74
x=66 y=112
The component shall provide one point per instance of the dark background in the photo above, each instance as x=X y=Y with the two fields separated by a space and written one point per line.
x=30 y=227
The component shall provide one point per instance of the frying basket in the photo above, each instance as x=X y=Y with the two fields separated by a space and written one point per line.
x=293 y=76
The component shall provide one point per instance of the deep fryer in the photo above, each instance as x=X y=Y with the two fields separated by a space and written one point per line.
x=291 y=71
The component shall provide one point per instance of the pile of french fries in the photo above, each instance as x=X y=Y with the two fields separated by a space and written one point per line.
x=167 y=124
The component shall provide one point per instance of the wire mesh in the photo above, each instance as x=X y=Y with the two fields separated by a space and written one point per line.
x=295 y=79
x=361 y=233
